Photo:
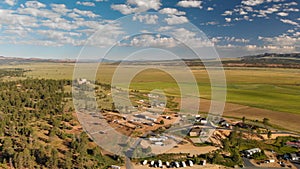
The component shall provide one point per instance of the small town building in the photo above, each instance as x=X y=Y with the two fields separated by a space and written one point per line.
x=115 y=167
x=294 y=157
x=252 y=151
x=195 y=132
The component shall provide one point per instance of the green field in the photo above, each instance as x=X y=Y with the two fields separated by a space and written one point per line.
x=269 y=88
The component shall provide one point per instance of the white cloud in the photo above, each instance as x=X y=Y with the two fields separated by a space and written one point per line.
x=17 y=30
x=238 y=51
x=85 y=3
x=189 y=3
x=291 y=10
x=173 y=20
x=228 y=19
x=8 y=17
x=60 y=8
x=135 y=6
x=59 y=23
x=124 y=9
x=252 y=2
x=282 y=14
x=210 y=9
x=280 y=41
x=34 y=4
x=234 y=39
x=144 y=5
x=164 y=28
x=148 y=19
x=210 y=23
x=242 y=12
x=10 y=2
x=42 y=13
x=60 y=37
x=89 y=14
x=191 y=38
x=291 y=4
x=171 y=11
x=261 y=9
x=226 y=13
x=152 y=41
x=287 y=21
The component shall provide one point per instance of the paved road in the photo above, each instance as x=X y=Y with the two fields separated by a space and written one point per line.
x=247 y=163
x=297 y=164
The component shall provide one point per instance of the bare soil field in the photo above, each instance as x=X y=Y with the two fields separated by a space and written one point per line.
x=189 y=148
x=285 y=120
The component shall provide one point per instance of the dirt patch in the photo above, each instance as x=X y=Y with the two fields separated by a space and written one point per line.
x=189 y=148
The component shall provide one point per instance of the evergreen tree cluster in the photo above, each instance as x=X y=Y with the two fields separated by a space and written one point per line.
x=38 y=128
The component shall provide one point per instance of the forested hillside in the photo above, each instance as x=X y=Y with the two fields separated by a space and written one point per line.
x=38 y=128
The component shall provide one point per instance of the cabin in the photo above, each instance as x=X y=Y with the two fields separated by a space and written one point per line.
x=144 y=162
x=252 y=151
x=295 y=144
x=294 y=157
x=115 y=167
x=190 y=162
x=194 y=132
x=183 y=164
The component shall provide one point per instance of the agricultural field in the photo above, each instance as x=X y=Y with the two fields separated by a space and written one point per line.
x=251 y=92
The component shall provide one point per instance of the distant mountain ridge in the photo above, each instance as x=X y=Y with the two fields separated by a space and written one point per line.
x=16 y=60
x=288 y=60
x=273 y=55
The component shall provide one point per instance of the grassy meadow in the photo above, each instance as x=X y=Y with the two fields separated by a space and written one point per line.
x=268 y=88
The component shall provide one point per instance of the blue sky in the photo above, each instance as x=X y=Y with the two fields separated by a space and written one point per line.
x=59 y=29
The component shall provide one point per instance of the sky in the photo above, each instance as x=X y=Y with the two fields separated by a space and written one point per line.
x=64 y=29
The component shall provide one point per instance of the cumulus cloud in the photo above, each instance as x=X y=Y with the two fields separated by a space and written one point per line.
x=152 y=41
x=282 y=14
x=291 y=10
x=191 y=38
x=89 y=14
x=32 y=23
x=210 y=23
x=210 y=9
x=173 y=20
x=234 y=39
x=189 y=3
x=171 y=11
x=85 y=3
x=282 y=40
x=59 y=23
x=17 y=30
x=34 y=4
x=10 y=2
x=123 y=8
x=43 y=13
x=228 y=19
x=135 y=6
x=60 y=8
x=148 y=19
x=287 y=21
x=226 y=13
x=252 y=2
x=164 y=28
x=8 y=17
x=251 y=9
